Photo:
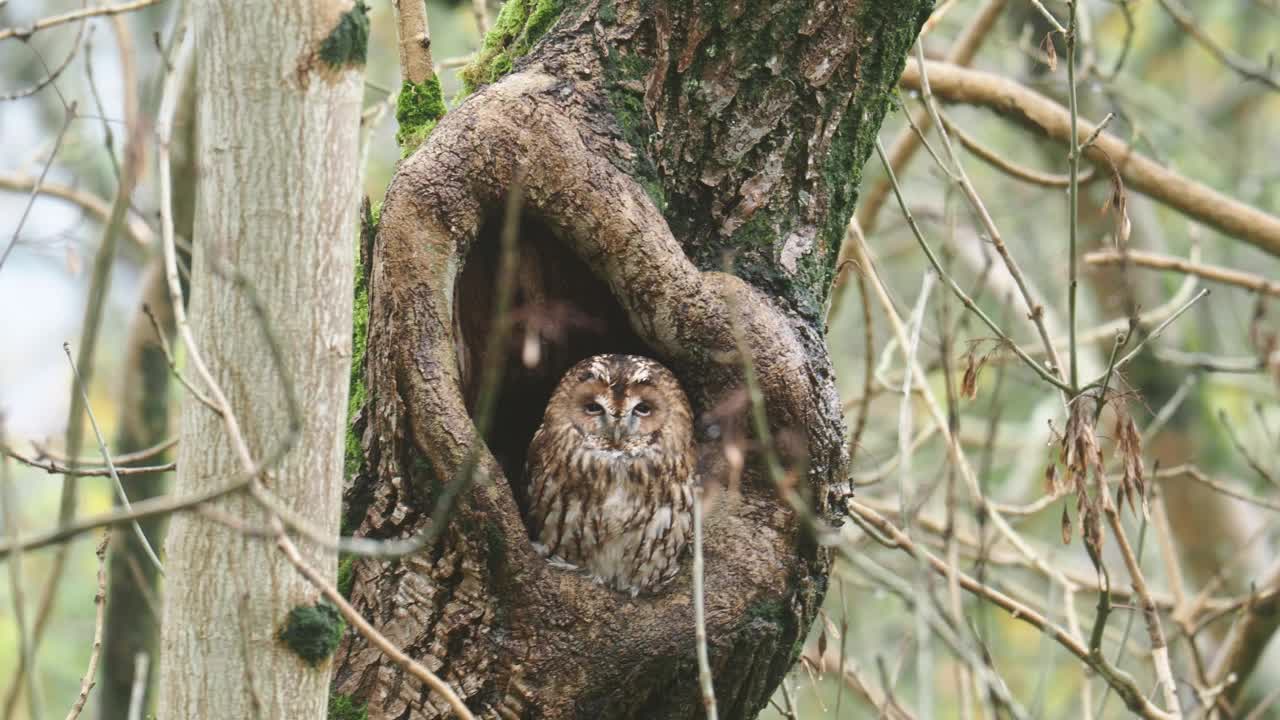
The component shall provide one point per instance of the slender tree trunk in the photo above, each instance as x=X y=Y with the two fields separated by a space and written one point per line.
x=132 y=623
x=279 y=89
x=657 y=145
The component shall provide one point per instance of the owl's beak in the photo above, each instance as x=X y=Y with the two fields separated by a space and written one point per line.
x=618 y=430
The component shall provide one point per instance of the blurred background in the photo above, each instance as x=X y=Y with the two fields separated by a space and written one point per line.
x=1206 y=393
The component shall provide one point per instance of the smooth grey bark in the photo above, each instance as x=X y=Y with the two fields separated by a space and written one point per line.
x=278 y=149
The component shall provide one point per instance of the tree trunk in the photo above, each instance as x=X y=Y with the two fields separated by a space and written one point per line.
x=279 y=90
x=657 y=144
x=132 y=622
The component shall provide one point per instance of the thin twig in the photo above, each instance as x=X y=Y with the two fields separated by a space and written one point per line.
x=163 y=339
x=153 y=507
x=99 y=286
x=121 y=459
x=50 y=74
x=181 y=49
x=480 y=9
x=1073 y=193
x=906 y=496
x=69 y=115
x=362 y=626
x=1216 y=273
x=699 y=612
x=1046 y=374
x=1123 y=683
x=907 y=142
x=56 y=468
x=89 y=203
x=1159 y=646
x=1107 y=331
x=1008 y=167
x=1030 y=109
x=115 y=477
x=1265 y=74
x=99 y=600
x=955 y=451
x=26 y=651
x=1253 y=463
x=1035 y=308
x=1196 y=474
x=54 y=20
x=1159 y=330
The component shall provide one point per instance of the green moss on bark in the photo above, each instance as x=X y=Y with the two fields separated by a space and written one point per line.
x=312 y=632
x=344 y=707
x=418 y=108
x=348 y=42
x=625 y=73
x=346 y=576
x=518 y=26
x=856 y=136
x=353 y=454
x=851 y=145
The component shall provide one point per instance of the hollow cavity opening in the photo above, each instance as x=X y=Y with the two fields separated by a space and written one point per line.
x=560 y=313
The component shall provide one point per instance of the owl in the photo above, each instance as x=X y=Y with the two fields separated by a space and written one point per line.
x=611 y=473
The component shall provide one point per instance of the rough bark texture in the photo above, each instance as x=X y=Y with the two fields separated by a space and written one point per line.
x=652 y=140
x=279 y=91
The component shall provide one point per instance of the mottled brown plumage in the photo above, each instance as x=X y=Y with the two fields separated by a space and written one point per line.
x=611 y=473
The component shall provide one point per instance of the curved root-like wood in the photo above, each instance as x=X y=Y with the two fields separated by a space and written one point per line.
x=534 y=635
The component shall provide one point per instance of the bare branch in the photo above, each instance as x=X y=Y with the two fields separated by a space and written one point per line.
x=1029 y=108
x=55 y=20
x=1124 y=685
x=362 y=626
x=1265 y=74
x=1216 y=273
x=99 y=600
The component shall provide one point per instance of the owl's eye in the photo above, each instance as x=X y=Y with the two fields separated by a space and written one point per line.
x=642 y=409
x=593 y=408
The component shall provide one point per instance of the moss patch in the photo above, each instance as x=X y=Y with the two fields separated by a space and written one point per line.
x=625 y=73
x=348 y=43
x=518 y=26
x=353 y=454
x=346 y=576
x=343 y=707
x=897 y=26
x=313 y=632
x=418 y=108
x=770 y=611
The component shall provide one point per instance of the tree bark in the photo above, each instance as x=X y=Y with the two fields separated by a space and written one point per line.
x=687 y=171
x=279 y=90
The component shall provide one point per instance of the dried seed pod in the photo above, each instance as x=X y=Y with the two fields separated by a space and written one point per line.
x=969 y=383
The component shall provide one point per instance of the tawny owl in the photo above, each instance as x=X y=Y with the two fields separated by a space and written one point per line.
x=611 y=473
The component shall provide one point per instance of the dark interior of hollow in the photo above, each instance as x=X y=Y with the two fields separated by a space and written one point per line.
x=560 y=310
